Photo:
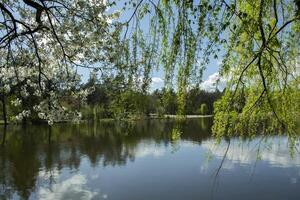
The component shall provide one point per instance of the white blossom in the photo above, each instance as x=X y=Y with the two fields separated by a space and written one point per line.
x=16 y=102
x=46 y=81
x=6 y=88
x=23 y=114
x=50 y=122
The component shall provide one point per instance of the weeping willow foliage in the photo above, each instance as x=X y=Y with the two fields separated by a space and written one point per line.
x=260 y=39
x=180 y=39
x=263 y=94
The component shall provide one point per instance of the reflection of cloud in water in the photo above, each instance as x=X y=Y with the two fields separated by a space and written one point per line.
x=72 y=188
x=275 y=151
x=47 y=174
x=158 y=150
x=189 y=144
x=149 y=149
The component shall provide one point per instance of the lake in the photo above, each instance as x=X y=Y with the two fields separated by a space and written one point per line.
x=144 y=160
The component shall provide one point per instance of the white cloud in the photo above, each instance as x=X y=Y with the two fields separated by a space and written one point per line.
x=157 y=80
x=214 y=80
x=210 y=83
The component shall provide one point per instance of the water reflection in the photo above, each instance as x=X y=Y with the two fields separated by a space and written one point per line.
x=71 y=188
x=156 y=159
x=273 y=150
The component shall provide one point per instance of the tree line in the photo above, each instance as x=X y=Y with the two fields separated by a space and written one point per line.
x=109 y=100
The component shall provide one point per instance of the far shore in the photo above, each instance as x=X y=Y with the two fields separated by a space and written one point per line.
x=189 y=116
x=152 y=116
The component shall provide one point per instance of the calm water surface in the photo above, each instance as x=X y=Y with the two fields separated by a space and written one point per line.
x=146 y=160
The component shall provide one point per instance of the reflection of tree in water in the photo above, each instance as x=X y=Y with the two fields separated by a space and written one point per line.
x=28 y=151
x=20 y=165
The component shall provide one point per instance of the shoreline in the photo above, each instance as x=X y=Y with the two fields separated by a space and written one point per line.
x=153 y=116
x=189 y=116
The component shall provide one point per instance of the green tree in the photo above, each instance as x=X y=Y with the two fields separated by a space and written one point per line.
x=203 y=109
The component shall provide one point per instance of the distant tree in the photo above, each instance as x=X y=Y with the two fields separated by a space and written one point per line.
x=203 y=109
x=196 y=97
x=169 y=101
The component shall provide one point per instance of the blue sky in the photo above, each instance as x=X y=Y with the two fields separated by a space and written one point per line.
x=210 y=75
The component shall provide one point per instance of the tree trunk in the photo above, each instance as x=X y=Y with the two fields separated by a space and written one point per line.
x=94 y=113
x=4 y=110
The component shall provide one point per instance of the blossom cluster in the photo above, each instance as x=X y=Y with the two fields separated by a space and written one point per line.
x=37 y=73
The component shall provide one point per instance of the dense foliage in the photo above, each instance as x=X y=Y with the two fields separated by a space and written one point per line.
x=107 y=101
